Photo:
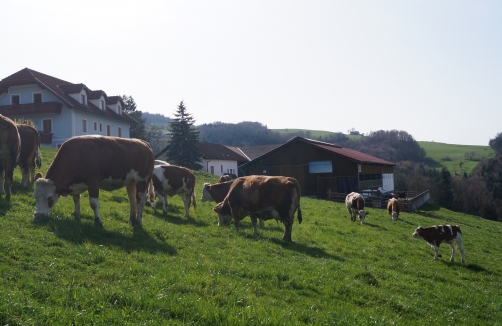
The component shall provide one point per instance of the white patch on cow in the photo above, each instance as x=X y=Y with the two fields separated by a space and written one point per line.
x=449 y=226
x=206 y=196
x=394 y=216
x=78 y=188
x=45 y=196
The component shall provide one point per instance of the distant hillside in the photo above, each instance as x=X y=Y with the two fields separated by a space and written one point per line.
x=157 y=119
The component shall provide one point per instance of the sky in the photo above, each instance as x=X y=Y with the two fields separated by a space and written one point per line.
x=430 y=68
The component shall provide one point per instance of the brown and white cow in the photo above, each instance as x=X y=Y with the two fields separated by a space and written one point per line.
x=437 y=234
x=224 y=178
x=394 y=208
x=97 y=162
x=355 y=206
x=10 y=147
x=262 y=197
x=170 y=180
x=217 y=192
x=30 y=153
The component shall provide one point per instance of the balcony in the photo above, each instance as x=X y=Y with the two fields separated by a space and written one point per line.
x=45 y=137
x=31 y=108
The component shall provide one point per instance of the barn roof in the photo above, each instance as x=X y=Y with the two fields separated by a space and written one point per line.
x=337 y=150
x=258 y=150
x=61 y=89
x=220 y=152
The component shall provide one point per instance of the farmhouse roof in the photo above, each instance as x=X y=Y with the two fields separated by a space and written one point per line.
x=219 y=152
x=61 y=89
x=337 y=150
x=253 y=152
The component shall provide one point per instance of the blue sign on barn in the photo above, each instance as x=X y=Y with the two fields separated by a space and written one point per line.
x=320 y=167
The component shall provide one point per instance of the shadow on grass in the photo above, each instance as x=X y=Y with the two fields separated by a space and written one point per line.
x=176 y=216
x=303 y=249
x=375 y=226
x=5 y=205
x=76 y=232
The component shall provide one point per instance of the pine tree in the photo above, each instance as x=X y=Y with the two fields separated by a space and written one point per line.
x=184 y=148
x=135 y=131
x=445 y=189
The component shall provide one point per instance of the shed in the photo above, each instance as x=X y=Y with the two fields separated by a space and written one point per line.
x=319 y=166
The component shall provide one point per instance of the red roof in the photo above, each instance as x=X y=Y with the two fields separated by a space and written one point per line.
x=61 y=89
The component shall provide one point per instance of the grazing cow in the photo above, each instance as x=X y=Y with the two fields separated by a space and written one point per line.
x=394 y=208
x=10 y=147
x=355 y=206
x=97 y=162
x=434 y=235
x=30 y=153
x=261 y=197
x=170 y=180
x=224 y=178
x=217 y=193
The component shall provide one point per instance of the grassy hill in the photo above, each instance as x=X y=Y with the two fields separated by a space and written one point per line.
x=178 y=270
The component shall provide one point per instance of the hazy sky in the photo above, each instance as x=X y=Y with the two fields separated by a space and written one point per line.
x=431 y=68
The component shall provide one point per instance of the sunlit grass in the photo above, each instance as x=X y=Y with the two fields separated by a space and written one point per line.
x=177 y=270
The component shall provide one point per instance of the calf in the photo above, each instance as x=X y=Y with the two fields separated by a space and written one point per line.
x=435 y=235
x=97 y=162
x=30 y=153
x=10 y=147
x=394 y=208
x=170 y=180
x=261 y=197
x=355 y=206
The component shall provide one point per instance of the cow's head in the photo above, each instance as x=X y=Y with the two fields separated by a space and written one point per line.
x=362 y=215
x=417 y=233
x=223 y=217
x=394 y=216
x=206 y=196
x=47 y=194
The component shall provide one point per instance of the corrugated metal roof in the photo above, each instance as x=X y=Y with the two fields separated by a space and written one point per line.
x=219 y=152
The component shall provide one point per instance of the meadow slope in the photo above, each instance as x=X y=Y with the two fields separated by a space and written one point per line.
x=189 y=271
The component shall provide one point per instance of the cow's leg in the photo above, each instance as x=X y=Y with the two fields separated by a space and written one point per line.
x=288 y=227
x=2 y=178
x=76 y=201
x=131 y=194
x=253 y=223
x=460 y=246
x=186 y=201
x=163 y=202
x=436 y=251
x=452 y=244
x=236 y=224
x=94 y=201
x=31 y=172
x=141 y=197
x=24 y=178
x=262 y=223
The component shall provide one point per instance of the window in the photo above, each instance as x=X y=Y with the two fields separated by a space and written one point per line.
x=37 y=97
x=95 y=126
x=100 y=127
x=102 y=105
x=14 y=99
x=108 y=130
x=47 y=125
x=212 y=169
x=84 y=125
x=82 y=99
x=119 y=131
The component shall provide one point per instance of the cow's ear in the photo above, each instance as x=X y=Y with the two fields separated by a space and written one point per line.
x=217 y=208
x=39 y=175
x=63 y=191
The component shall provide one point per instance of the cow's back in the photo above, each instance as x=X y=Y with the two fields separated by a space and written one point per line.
x=84 y=157
x=30 y=142
x=172 y=178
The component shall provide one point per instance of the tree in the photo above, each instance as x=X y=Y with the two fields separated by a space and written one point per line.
x=184 y=149
x=496 y=143
x=136 y=130
x=445 y=189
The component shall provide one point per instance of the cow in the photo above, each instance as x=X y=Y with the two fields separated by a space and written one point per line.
x=160 y=162
x=394 y=208
x=10 y=147
x=170 y=180
x=97 y=162
x=435 y=235
x=217 y=193
x=224 y=178
x=355 y=206
x=30 y=153
x=264 y=197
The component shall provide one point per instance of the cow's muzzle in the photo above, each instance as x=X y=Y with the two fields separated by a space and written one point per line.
x=38 y=216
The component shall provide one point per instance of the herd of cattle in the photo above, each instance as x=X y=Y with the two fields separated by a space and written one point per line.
x=91 y=163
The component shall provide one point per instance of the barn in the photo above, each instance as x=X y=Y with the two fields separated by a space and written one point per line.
x=320 y=166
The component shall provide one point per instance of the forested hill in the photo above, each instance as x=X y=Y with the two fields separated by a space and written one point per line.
x=156 y=119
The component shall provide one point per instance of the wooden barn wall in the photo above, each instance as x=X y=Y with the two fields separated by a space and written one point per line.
x=293 y=161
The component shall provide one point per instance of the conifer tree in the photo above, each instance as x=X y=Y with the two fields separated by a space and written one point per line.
x=184 y=148
x=445 y=189
x=135 y=131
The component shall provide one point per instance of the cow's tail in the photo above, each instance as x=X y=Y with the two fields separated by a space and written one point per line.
x=38 y=158
x=299 y=191
x=151 y=193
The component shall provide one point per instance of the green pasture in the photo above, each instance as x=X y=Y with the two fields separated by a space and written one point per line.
x=188 y=271
x=457 y=158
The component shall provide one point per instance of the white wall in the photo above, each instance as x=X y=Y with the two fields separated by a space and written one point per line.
x=217 y=164
x=388 y=181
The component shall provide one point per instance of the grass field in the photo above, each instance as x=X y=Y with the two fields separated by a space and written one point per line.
x=189 y=271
